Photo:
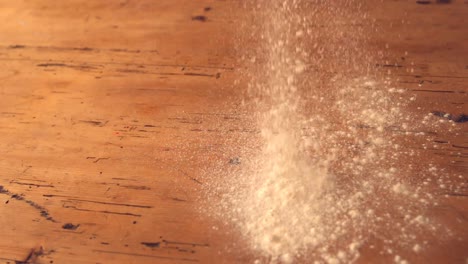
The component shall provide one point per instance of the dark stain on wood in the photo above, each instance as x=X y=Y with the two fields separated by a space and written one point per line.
x=235 y=161
x=151 y=244
x=200 y=18
x=461 y=118
x=43 y=211
x=70 y=226
x=33 y=256
x=17 y=46
x=423 y=2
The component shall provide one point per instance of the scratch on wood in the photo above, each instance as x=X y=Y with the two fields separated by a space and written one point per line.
x=99 y=159
x=76 y=67
x=33 y=184
x=97 y=211
x=94 y=122
x=144 y=255
x=108 y=203
x=167 y=242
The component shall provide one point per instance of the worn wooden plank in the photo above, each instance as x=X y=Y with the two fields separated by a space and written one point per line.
x=105 y=105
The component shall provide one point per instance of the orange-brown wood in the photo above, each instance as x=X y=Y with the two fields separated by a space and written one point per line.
x=105 y=105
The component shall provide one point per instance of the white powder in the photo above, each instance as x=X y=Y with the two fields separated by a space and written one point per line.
x=399 y=260
x=328 y=174
x=417 y=248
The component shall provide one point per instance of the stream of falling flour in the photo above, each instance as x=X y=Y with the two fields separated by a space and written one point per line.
x=328 y=175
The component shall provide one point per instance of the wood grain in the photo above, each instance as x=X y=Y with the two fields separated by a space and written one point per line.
x=104 y=106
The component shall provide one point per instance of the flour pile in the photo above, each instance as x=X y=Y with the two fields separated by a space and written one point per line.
x=327 y=176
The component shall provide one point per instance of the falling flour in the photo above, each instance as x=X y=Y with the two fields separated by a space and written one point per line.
x=327 y=175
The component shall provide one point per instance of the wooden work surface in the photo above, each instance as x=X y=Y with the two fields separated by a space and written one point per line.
x=105 y=105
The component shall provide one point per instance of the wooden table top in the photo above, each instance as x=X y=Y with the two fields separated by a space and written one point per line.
x=112 y=111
